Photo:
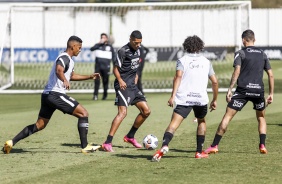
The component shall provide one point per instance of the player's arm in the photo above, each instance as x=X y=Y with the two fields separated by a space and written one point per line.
x=122 y=84
x=78 y=77
x=237 y=68
x=269 y=99
x=269 y=72
x=136 y=78
x=96 y=46
x=62 y=64
x=233 y=81
x=118 y=64
x=176 y=82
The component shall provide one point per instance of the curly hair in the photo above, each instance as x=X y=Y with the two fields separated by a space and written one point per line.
x=193 y=44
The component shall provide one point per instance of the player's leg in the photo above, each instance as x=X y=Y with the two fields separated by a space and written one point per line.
x=45 y=114
x=82 y=125
x=236 y=104
x=200 y=113
x=122 y=112
x=179 y=114
x=105 y=78
x=259 y=106
x=139 y=120
x=96 y=82
x=121 y=102
x=222 y=128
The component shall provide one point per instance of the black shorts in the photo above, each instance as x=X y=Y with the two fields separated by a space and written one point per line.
x=129 y=96
x=238 y=101
x=199 y=111
x=54 y=100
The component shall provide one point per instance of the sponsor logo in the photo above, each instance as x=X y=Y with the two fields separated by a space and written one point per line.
x=128 y=100
x=253 y=50
x=259 y=106
x=197 y=95
x=193 y=103
x=237 y=103
x=134 y=63
x=252 y=94
x=251 y=85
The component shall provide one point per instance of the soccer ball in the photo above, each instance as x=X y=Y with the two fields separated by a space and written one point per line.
x=150 y=142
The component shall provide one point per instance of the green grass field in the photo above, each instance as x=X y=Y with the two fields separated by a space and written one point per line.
x=53 y=155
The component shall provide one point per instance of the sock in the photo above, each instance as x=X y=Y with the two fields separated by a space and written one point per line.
x=27 y=131
x=200 y=143
x=82 y=126
x=132 y=132
x=262 y=138
x=167 y=138
x=109 y=139
x=216 y=140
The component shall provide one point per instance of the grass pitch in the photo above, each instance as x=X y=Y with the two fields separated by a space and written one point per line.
x=53 y=155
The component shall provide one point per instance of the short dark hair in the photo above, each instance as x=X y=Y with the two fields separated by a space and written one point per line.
x=248 y=35
x=73 y=38
x=193 y=44
x=136 y=34
x=104 y=34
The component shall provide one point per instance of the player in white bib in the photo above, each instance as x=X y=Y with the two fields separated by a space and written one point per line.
x=190 y=92
x=54 y=97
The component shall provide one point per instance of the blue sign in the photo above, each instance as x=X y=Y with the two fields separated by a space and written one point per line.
x=40 y=55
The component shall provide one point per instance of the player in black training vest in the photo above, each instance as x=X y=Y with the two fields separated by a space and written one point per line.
x=54 y=97
x=127 y=93
x=249 y=64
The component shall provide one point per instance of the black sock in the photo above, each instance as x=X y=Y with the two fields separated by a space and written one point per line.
x=167 y=138
x=109 y=139
x=82 y=126
x=27 y=131
x=132 y=132
x=216 y=140
x=262 y=138
x=200 y=143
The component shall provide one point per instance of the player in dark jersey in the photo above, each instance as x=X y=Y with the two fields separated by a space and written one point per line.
x=54 y=97
x=125 y=69
x=104 y=54
x=143 y=52
x=249 y=64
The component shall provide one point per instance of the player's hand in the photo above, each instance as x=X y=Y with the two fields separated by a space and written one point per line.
x=269 y=99
x=170 y=102
x=122 y=85
x=213 y=105
x=95 y=76
x=228 y=96
x=66 y=84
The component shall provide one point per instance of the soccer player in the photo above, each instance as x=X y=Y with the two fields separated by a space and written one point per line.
x=54 y=97
x=143 y=52
x=127 y=93
x=190 y=92
x=249 y=64
x=104 y=53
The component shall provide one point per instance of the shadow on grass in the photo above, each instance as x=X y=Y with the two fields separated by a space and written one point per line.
x=70 y=145
x=272 y=124
x=13 y=151
x=147 y=157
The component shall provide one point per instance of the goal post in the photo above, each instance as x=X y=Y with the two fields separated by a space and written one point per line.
x=35 y=33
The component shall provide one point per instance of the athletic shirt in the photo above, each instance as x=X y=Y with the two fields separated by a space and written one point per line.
x=104 y=53
x=54 y=83
x=193 y=86
x=127 y=61
x=253 y=62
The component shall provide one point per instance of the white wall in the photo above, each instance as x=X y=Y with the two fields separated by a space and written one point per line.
x=35 y=28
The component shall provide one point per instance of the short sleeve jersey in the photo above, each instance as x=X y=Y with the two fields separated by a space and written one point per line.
x=54 y=83
x=192 y=90
x=127 y=61
x=253 y=62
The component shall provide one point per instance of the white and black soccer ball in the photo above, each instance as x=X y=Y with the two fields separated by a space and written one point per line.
x=150 y=142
